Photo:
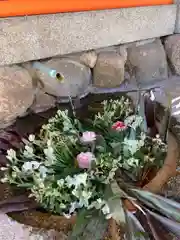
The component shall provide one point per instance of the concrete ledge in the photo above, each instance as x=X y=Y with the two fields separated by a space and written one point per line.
x=28 y=38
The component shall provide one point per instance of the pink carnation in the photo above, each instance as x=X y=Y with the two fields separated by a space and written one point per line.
x=85 y=159
x=118 y=126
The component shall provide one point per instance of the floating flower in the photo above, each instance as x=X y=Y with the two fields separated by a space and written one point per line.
x=88 y=137
x=85 y=159
x=119 y=126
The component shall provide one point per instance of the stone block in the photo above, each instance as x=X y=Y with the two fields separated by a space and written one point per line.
x=109 y=70
x=147 y=62
x=87 y=58
x=172 y=47
x=77 y=78
x=16 y=93
x=35 y=37
x=43 y=102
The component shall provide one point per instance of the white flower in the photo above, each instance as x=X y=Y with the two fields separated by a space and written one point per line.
x=31 y=137
x=11 y=154
x=4 y=168
x=30 y=166
x=69 y=181
x=106 y=209
x=62 y=206
x=73 y=207
x=68 y=216
x=49 y=153
x=97 y=204
x=14 y=174
x=35 y=164
x=28 y=152
x=77 y=180
x=27 y=166
x=109 y=216
x=80 y=179
x=43 y=171
x=4 y=180
x=88 y=137
x=60 y=182
x=84 y=198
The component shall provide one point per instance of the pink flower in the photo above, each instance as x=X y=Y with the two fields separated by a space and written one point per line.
x=88 y=137
x=119 y=126
x=85 y=159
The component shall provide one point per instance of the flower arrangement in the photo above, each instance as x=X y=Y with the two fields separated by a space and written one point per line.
x=74 y=166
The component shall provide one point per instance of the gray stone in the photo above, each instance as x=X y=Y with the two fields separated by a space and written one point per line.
x=147 y=62
x=87 y=58
x=109 y=70
x=35 y=37
x=16 y=93
x=172 y=46
x=43 y=102
x=12 y=230
x=177 y=25
x=77 y=78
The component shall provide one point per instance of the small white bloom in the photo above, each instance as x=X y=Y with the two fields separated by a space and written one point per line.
x=97 y=204
x=35 y=164
x=88 y=137
x=49 y=153
x=68 y=216
x=106 y=209
x=84 y=198
x=80 y=179
x=14 y=174
x=27 y=166
x=62 y=206
x=31 y=137
x=4 y=168
x=4 y=180
x=43 y=171
x=11 y=154
x=28 y=152
x=77 y=180
x=60 y=182
x=109 y=216
x=69 y=181
x=73 y=207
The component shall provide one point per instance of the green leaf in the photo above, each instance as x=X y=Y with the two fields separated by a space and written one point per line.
x=117 y=211
x=82 y=219
x=137 y=231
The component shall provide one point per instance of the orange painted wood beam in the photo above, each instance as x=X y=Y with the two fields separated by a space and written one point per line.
x=33 y=7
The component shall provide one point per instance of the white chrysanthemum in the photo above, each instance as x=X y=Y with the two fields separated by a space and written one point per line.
x=11 y=154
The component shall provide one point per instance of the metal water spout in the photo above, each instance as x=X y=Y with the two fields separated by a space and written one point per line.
x=51 y=72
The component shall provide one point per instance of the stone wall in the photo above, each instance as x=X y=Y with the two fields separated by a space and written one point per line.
x=35 y=37
x=24 y=88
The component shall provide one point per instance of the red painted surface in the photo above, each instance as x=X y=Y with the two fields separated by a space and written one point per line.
x=31 y=7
